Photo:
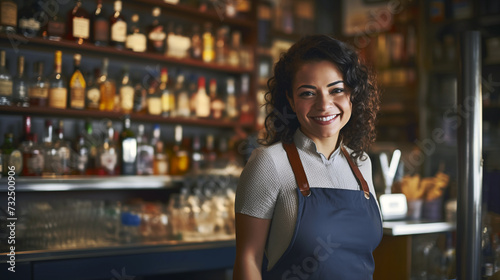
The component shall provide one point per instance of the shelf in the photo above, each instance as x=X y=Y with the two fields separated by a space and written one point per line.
x=35 y=43
x=416 y=227
x=185 y=10
x=135 y=117
x=489 y=20
x=82 y=183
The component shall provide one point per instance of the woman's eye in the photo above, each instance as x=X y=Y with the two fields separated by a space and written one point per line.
x=337 y=90
x=306 y=93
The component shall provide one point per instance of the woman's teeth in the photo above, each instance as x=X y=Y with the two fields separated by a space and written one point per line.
x=325 y=119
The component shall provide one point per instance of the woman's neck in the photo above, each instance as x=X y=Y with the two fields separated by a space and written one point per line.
x=326 y=145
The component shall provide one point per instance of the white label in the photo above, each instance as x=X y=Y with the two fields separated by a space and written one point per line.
x=136 y=42
x=129 y=150
x=29 y=23
x=154 y=105
x=108 y=160
x=119 y=31
x=127 y=98
x=81 y=27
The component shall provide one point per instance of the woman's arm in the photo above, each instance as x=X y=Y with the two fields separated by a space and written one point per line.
x=251 y=236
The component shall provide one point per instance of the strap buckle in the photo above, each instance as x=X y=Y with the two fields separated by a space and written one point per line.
x=367 y=195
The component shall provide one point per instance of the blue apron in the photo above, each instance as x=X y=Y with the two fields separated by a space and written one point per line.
x=335 y=233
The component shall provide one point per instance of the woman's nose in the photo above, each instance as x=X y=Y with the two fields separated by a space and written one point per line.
x=324 y=101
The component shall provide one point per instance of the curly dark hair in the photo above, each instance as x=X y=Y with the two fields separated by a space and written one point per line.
x=281 y=122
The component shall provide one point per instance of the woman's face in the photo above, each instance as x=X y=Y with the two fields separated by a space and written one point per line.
x=321 y=100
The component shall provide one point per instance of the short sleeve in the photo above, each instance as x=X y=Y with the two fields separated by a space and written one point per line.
x=258 y=186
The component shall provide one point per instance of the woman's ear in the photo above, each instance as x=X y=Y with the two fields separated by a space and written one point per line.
x=290 y=101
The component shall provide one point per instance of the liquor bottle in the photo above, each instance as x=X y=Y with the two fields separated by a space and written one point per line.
x=231 y=109
x=55 y=29
x=264 y=17
x=197 y=161
x=78 y=24
x=154 y=98
x=136 y=40
x=5 y=82
x=107 y=88
x=8 y=16
x=108 y=153
x=230 y=8
x=221 y=45
x=160 y=164
x=145 y=153
x=182 y=98
x=93 y=94
x=49 y=152
x=38 y=90
x=156 y=34
x=217 y=105
x=233 y=58
x=77 y=85
x=202 y=100
x=244 y=101
x=208 y=54
x=167 y=95
x=140 y=95
x=11 y=157
x=63 y=150
x=100 y=26
x=209 y=153
x=82 y=156
x=243 y=7
x=196 y=49
x=58 y=91
x=128 y=149
x=304 y=16
x=33 y=160
x=29 y=23
x=91 y=143
x=118 y=27
x=178 y=45
x=179 y=162
x=126 y=93
x=20 y=91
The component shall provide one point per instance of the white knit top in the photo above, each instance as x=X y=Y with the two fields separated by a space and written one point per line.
x=267 y=187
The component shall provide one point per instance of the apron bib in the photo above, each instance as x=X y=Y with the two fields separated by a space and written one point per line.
x=335 y=233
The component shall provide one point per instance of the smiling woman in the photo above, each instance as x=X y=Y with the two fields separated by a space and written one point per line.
x=305 y=202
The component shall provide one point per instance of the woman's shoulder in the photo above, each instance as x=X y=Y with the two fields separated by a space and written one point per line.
x=364 y=159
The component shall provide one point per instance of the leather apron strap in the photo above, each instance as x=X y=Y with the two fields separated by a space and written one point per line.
x=298 y=169
x=300 y=175
x=357 y=173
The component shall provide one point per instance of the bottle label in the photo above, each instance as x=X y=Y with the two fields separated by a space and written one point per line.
x=56 y=29
x=5 y=88
x=77 y=98
x=136 y=42
x=145 y=154
x=9 y=14
x=161 y=167
x=166 y=104
x=101 y=30
x=58 y=97
x=35 y=164
x=29 y=23
x=119 y=32
x=108 y=160
x=81 y=27
x=129 y=150
x=93 y=97
x=16 y=160
x=154 y=105
x=157 y=37
x=127 y=98
x=82 y=163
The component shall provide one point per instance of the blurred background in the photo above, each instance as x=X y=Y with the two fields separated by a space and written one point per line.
x=124 y=126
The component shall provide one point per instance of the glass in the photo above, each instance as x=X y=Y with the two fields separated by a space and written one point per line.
x=77 y=85
x=58 y=92
x=38 y=90
x=20 y=90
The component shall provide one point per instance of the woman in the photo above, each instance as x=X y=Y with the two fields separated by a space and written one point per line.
x=305 y=204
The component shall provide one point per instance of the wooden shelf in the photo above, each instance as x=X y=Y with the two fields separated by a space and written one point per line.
x=135 y=117
x=188 y=11
x=37 y=43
